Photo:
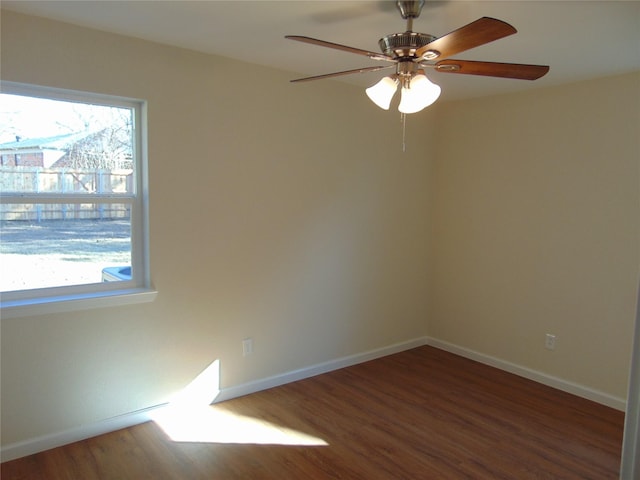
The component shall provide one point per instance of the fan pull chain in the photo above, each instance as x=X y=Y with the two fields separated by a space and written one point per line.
x=403 y=118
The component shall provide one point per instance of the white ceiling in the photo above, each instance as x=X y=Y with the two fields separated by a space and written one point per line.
x=578 y=39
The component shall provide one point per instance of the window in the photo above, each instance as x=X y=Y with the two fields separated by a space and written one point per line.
x=73 y=211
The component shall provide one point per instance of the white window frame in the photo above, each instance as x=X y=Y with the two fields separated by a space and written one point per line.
x=77 y=297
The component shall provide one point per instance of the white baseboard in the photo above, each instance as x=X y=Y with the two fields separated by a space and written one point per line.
x=46 y=442
x=312 y=371
x=540 y=377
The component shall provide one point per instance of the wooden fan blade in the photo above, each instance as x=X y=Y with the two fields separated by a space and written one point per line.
x=492 y=69
x=346 y=72
x=483 y=30
x=337 y=46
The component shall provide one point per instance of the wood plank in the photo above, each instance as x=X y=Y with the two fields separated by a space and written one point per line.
x=423 y=413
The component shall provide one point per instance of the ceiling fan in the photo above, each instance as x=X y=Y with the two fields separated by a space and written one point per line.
x=410 y=53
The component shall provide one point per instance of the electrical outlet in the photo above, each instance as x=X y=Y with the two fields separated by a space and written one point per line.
x=247 y=347
x=550 y=341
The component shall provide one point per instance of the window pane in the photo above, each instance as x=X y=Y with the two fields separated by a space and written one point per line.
x=70 y=185
x=52 y=146
x=51 y=245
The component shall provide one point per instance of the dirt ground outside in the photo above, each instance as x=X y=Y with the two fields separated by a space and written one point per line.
x=60 y=252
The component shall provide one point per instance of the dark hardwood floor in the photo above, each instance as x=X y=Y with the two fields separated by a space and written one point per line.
x=419 y=414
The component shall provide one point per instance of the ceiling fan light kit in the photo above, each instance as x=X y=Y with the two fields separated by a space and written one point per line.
x=416 y=93
x=411 y=52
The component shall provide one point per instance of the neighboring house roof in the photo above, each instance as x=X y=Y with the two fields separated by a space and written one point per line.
x=87 y=149
x=58 y=142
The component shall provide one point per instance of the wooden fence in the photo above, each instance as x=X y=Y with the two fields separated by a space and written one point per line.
x=33 y=181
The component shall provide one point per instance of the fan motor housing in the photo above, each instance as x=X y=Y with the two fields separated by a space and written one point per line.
x=399 y=45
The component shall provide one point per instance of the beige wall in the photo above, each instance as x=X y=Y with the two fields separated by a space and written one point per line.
x=282 y=212
x=317 y=237
x=536 y=228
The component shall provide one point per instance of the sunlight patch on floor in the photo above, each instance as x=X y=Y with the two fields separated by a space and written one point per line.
x=190 y=417
x=212 y=424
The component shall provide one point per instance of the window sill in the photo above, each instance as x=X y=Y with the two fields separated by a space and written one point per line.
x=70 y=303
